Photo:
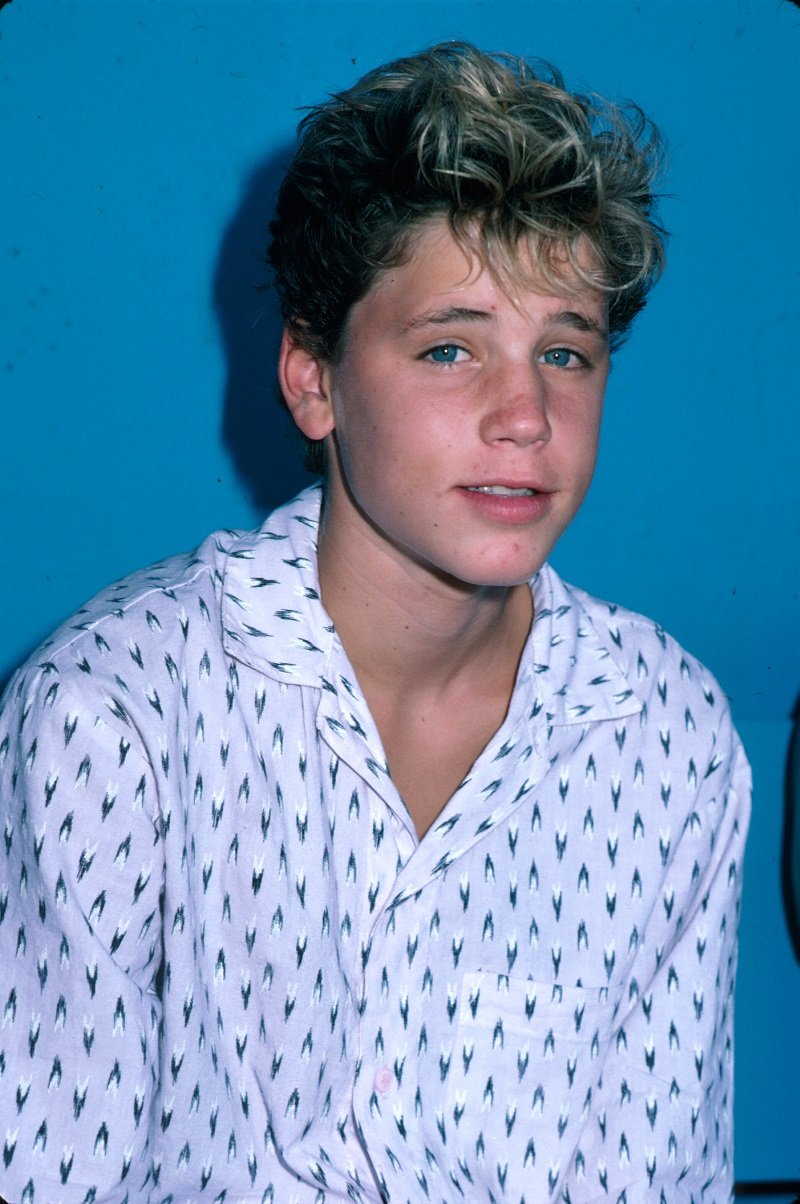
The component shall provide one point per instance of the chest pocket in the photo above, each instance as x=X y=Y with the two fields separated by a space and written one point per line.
x=525 y=1064
x=547 y=1011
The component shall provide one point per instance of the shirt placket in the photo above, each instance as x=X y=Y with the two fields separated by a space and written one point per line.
x=396 y=1126
x=384 y=842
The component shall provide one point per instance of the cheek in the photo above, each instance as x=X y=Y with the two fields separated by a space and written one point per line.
x=375 y=461
x=591 y=438
x=588 y=428
x=575 y=448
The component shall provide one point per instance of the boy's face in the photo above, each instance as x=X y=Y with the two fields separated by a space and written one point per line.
x=464 y=421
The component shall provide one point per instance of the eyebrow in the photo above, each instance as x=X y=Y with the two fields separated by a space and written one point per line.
x=578 y=321
x=442 y=317
x=460 y=313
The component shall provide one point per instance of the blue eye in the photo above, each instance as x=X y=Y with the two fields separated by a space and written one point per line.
x=446 y=353
x=561 y=357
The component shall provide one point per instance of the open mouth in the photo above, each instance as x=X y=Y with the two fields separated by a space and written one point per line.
x=502 y=490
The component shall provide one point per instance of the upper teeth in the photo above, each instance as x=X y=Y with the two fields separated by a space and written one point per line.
x=502 y=489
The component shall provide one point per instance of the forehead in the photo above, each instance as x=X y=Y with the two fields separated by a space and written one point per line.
x=438 y=264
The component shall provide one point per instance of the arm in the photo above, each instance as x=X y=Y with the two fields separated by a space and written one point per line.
x=80 y=880
x=662 y=1119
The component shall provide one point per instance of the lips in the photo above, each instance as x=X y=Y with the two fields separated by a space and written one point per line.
x=508 y=503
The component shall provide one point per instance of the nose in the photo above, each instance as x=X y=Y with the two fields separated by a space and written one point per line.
x=517 y=411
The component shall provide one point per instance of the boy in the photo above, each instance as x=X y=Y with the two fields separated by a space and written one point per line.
x=360 y=857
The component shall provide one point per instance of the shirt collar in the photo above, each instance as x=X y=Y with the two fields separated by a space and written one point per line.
x=273 y=620
x=272 y=615
x=578 y=664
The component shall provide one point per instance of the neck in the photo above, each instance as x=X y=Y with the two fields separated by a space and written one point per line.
x=436 y=658
x=408 y=630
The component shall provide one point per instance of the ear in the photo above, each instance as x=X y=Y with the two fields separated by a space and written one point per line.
x=305 y=384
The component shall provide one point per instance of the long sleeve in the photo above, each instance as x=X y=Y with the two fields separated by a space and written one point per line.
x=80 y=877
x=535 y=1000
x=662 y=1119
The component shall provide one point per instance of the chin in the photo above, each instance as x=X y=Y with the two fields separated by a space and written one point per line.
x=496 y=576
x=509 y=571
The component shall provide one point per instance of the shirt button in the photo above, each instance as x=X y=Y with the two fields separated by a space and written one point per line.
x=383 y=1079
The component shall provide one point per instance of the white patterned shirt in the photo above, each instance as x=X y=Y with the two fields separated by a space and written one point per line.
x=233 y=973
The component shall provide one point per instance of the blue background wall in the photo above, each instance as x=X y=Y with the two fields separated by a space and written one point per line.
x=140 y=145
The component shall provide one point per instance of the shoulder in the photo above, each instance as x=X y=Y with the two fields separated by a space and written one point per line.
x=94 y=695
x=652 y=660
x=184 y=593
x=681 y=706
x=135 y=650
x=140 y=609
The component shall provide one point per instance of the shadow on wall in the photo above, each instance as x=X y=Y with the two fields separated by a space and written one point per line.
x=790 y=861
x=263 y=443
